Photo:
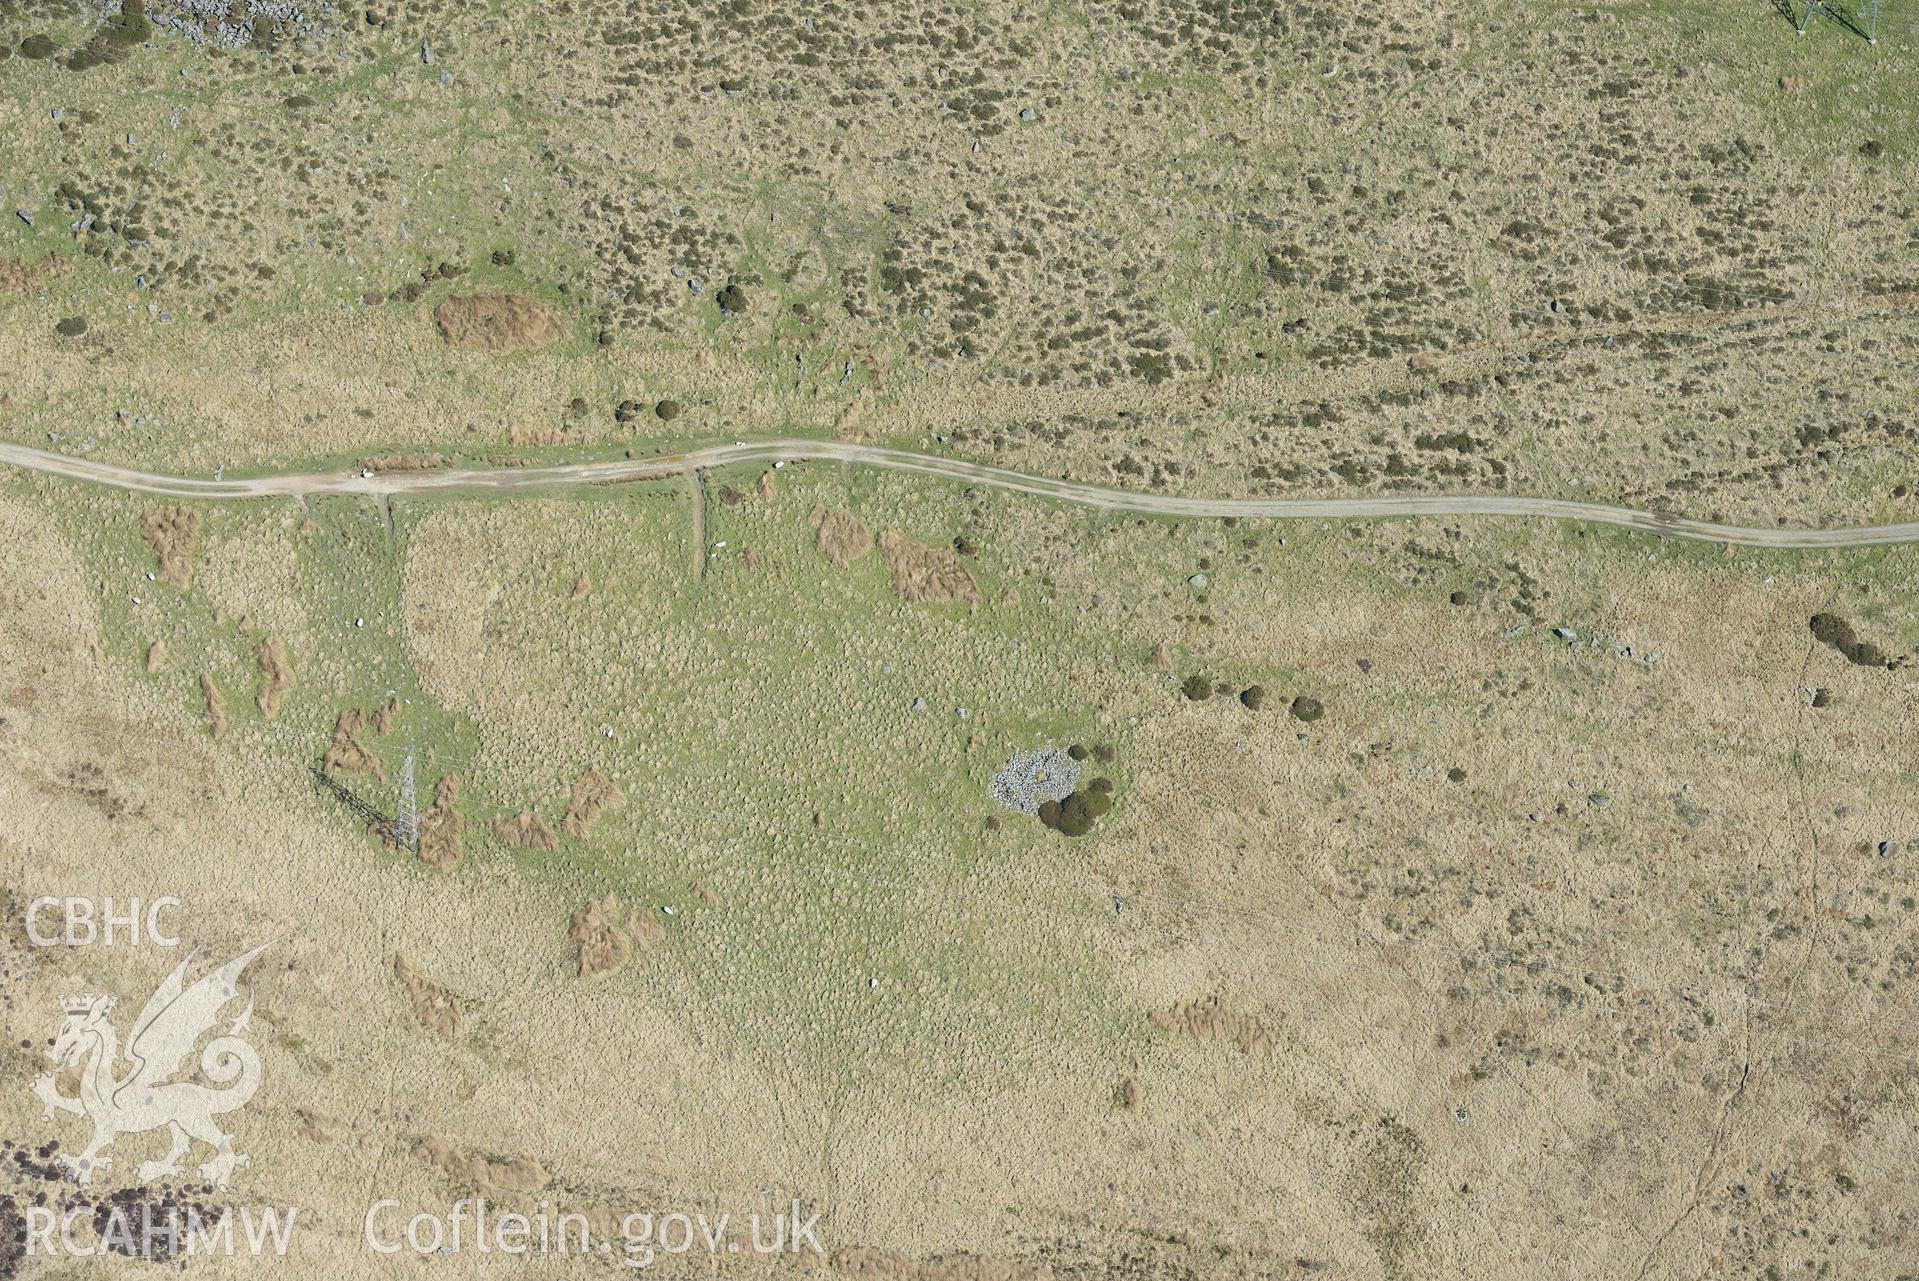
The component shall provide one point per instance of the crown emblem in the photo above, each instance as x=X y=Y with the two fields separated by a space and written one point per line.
x=77 y=1004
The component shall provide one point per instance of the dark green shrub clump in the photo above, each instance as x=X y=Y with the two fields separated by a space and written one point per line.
x=115 y=39
x=1252 y=698
x=71 y=327
x=1197 y=688
x=1076 y=815
x=1830 y=629
x=1307 y=708
x=37 y=46
x=127 y=28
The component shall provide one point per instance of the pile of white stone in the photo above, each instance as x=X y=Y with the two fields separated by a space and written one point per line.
x=190 y=18
x=1032 y=778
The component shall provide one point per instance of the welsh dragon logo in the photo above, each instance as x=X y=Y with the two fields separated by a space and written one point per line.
x=152 y=1093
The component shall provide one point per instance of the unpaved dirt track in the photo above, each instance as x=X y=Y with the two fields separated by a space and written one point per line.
x=515 y=479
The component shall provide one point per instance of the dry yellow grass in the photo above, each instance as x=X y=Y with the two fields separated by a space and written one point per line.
x=1387 y=974
x=525 y=831
x=276 y=675
x=926 y=574
x=842 y=538
x=497 y=323
x=433 y=1005
x=349 y=752
x=592 y=793
x=174 y=535
x=443 y=827
x=1532 y=956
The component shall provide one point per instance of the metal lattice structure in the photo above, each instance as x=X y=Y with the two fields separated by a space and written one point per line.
x=358 y=806
x=1845 y=15
x=406 y=821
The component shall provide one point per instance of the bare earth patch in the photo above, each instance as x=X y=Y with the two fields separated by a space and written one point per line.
x=22 y=277
x=442 y=826
x=433 y=1005
x=481 y=1173
x=216 y=706
x=277 y=673
x=926 y=574
x=498 y=323
x=842 y=538
x=526 y=831
x=593 y=793
x=318 y=1127
x=1210 y=1019
x=174 y=535
x=348 y=753
x=606 y=934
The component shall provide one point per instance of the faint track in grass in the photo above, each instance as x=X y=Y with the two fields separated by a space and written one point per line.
x=696 y=486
